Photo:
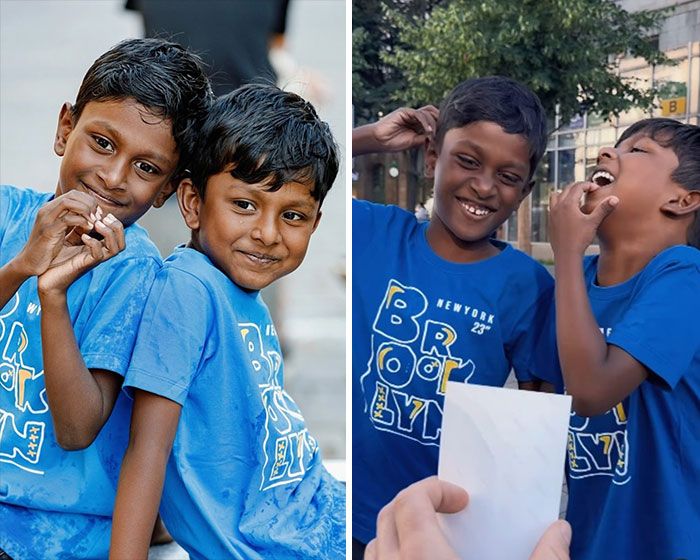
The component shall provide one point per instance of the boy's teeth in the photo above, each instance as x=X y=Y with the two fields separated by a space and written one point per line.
x=602 y=178
x=476 y=210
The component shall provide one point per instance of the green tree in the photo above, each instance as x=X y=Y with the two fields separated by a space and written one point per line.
x=565 y=50
x=374 y=79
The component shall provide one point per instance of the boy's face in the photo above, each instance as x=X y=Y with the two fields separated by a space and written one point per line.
x=637 y=171
x=481 y=176
x=118 y=152
x=254 y=236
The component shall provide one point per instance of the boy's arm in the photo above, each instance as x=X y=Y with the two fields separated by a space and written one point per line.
x=80 y=400
x=53 y=222
x=597 y=375
x=400 y=130
x=153 y=425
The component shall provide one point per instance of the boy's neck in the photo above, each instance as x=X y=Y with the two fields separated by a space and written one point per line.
x=449 y=247
x=619 y=261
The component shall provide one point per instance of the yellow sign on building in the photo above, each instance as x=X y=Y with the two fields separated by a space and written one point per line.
x=674 y=106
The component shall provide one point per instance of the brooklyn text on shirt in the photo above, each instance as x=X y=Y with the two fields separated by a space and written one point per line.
x=288 y=450
x=413 y=356
x=23 y=403
x=599 y=446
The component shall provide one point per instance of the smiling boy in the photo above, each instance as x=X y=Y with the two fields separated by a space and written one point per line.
x=245 y=477
x=629 y=345
x=444 y=300
x=67 y=326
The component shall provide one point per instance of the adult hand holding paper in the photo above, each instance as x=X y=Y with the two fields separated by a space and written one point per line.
x=408 y=527
x=507 y=448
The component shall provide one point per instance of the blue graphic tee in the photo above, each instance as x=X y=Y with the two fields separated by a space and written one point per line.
x=419 y=321
x=245 y=477
x=634 y=472
x=55 y=503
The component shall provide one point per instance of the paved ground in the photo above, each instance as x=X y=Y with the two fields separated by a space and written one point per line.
x=45 y=48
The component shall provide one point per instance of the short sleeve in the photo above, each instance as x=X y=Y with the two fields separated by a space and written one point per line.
x=660 y=327
x=4 y=209
x=363 y=224
x=108 y=319
x=532 y=353
x=172 y=336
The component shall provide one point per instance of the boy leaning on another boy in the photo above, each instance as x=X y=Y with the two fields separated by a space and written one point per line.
x=244 y=478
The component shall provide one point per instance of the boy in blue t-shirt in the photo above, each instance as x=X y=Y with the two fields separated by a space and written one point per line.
x=629 y=345
x=443 y=300
x=67 y=326
x=244 y=478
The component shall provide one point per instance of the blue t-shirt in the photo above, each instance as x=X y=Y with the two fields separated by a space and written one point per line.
x=55 y=503
x=245 y=477
x=634 y=472
x=418 y=321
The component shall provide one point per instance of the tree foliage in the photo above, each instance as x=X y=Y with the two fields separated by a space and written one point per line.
x=374 y=78
x=565 y=50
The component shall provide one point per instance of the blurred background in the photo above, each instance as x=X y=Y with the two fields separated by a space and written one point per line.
x=46 y=48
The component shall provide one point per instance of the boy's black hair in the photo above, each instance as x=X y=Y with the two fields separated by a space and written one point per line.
x=684 y=140
x=162 y=76
x=270 y=136
x=500 y=100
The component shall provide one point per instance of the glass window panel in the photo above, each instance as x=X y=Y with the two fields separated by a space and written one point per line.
x=567 y=165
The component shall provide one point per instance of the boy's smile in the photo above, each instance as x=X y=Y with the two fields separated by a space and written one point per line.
x=638 y=171
x=117 y=151
x=253 y=235
x=481 y=176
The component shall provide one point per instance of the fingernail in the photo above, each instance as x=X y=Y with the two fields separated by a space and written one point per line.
x=108 y=219
x=99 y=212
x=614 y=201
x=93 y=217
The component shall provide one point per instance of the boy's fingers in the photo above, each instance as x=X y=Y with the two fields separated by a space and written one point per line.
x=603 y=209
x=97 y=250
x=110 y=233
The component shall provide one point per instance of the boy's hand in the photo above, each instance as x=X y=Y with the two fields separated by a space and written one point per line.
x=570 y=230
x=400 y=130
x=74 y=210
x=72 y=261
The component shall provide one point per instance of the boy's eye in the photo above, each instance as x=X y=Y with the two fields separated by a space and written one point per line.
x=147 y=167
x=467 y=161
x=510 y=179
x=636 y=149
x=103 y=143
x=293 y=216
x=244 y=205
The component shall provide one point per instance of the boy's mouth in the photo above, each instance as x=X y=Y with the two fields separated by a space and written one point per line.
x=474 y=209
x=602 y=178
x=102 y=196
x=260 y=258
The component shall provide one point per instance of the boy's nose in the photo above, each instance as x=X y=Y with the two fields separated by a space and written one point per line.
x=606 y=153
x=113 y=176
x=266 y=231
x=483 y=185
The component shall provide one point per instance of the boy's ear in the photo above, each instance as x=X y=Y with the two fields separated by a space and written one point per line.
x=431 y=156
x=688 y=202
x=190 y=203
x=318 y=219
x=64 y=128
x=164 y=194
x=526 y=190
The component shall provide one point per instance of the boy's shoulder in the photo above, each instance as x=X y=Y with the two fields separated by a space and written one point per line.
x=19 y=204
